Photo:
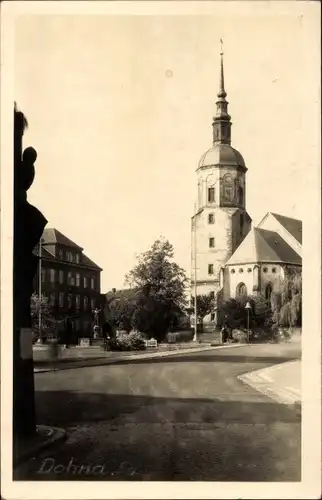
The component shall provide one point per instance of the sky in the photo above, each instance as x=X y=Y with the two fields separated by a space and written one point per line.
x=120 y=110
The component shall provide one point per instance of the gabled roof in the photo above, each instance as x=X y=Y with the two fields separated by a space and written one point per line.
x=293 y=226
x=262 y=245
x=44 y=252
x=86 y=261
x=52 y=236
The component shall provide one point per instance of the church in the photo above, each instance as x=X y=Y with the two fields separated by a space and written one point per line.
x=229 y=256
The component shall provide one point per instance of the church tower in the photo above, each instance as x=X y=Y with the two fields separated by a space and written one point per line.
x=220 y=222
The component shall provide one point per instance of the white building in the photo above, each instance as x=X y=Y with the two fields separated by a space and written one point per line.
x=229 y=257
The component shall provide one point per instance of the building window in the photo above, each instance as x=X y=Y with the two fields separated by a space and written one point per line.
x=273 y=269
x=210 y=269
x=85 y=303
x=77 y=325
x=241 y=224
x=265 y=269
x=85 y=282
x=212 y=295
x=93 y=303
x=43 y=275
x=69 y=256
x=52 y=299
x=72 y=280
x=211 y=195
x=61 y=277
x=77 y=302
x=268 y=292
x=249 y=270
x=77 y=279
x=241 y=196
x=61 y=254
x=52 y=275
x=241 y=270
x=211 y=219
x=77 y=258
x=92 y=283
x=61 y=299
x=70 y=301
x=212 y=317
x=211 y=242
x=241 y=290
x=69 y=278
x=233 y=271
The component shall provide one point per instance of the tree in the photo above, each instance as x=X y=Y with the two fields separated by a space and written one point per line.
x=237 y=316
x=287 y=302
x=120 y=309
x=160 y=290
x=205 y=305
x=48 y=322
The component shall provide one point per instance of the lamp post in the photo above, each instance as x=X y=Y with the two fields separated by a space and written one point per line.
x=248 y=308
x=195 y=284
x=40 y=340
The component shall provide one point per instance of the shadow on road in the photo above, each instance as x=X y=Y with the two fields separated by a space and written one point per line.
x=233 y=440
x=212 y=358
x=68 y=408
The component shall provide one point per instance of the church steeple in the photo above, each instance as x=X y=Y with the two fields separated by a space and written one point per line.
x=221 y=124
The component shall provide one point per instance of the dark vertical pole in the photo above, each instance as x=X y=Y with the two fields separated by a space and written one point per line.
x=29 y=224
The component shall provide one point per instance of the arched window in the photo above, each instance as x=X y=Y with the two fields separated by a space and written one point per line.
x=268 y=292
x=241 y=290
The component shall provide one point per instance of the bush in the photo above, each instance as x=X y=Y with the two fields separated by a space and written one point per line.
x=125 y=342
x=136 y=341
x=240 y=336
x=263 y=334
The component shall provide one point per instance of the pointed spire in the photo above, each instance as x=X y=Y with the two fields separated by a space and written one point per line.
x=222 y=92
x=221 y=124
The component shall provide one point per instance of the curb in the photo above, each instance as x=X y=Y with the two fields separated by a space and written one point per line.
x=261 y=381
x=55 y=437
x=134 y=357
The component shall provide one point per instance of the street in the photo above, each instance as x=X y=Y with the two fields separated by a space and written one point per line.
x=186 y=417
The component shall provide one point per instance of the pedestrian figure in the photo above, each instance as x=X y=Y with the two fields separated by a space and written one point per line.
x=223 y=334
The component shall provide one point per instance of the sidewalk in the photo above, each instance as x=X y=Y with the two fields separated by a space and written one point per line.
x=280 y=382
x=45 y=437
x=110 y=357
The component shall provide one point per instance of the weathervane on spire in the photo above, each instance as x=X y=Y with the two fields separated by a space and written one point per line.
x=221 y=47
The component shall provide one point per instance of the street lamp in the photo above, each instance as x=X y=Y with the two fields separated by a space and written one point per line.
x=195 y=287
x=248 y=308
x=40 y=339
